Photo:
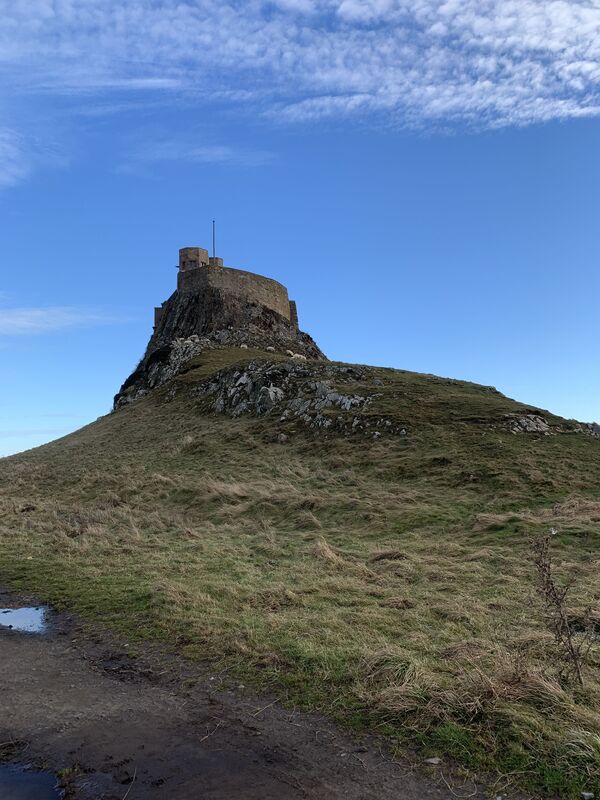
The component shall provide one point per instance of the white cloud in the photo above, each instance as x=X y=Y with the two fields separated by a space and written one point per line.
x=305 y=6
x=364 y=10
x=28 y=321
x=486 y=62
x=14 y=164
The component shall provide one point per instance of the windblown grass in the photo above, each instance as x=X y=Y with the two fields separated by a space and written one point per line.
x=385 y=582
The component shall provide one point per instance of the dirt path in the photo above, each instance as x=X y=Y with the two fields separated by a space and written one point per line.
x=144 y=728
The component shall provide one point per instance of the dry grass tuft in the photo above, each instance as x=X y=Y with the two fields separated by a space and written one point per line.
x=388 y=555
x=478 y=691
x=274 y=599
x=468 y=650
x=398 y=602
x=578 y=508
x=324 y=551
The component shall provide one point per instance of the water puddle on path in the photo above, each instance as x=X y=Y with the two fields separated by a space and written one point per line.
x=20 y=784
x=25 y=620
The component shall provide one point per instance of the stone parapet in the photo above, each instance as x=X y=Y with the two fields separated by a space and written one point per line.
x=240 y=283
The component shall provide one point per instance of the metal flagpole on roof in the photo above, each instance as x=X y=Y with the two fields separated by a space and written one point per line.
x=214 y=241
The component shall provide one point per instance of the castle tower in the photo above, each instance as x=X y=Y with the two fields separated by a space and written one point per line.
x=192 y=258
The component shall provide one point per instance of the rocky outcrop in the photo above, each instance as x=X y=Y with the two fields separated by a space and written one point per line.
x=311 y=393
x=591 y=428
x=190 y=323
x=528 y=423
x=533 y=422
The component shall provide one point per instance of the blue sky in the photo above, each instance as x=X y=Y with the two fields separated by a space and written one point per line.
x=423 y=176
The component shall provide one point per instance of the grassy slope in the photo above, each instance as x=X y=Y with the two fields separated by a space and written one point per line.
x=386 y=582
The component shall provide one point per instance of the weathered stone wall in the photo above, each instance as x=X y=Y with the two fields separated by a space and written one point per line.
x=192 y=257
x=158 y=312
x=247 y=285
x=294 y=314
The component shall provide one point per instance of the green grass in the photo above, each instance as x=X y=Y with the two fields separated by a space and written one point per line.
x=384 y=582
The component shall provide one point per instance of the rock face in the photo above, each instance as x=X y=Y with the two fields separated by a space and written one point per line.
x=215 y=310
x=212 y=315
x=533 y=421
x=528 y=423
x=288 y=390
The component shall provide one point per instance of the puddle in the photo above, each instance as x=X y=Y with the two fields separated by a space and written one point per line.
x=20 y=784
x=26 y=620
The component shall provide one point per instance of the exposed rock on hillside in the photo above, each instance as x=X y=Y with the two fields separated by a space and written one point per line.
x=326 y=396
x=310 y=393
x=534 y=422
x=529 y=423
x=163 y=363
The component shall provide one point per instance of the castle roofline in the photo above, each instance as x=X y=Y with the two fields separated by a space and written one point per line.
x=199 y=273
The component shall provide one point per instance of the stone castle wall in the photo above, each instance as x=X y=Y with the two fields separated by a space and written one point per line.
x=247 y=285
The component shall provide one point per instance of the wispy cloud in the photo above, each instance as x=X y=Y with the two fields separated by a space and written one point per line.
x=14 y=163
x=20 y=155
x=484 y=62
x=183 y=150
x=31 y=321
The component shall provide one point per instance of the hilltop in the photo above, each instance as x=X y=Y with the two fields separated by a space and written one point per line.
x=376 y=568
x=353 y=538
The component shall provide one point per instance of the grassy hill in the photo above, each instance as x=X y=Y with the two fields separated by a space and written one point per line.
x=383 y=578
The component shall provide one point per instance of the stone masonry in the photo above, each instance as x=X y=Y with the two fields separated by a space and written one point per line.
x=199 y=272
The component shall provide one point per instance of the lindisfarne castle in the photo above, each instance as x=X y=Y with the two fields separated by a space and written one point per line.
x=214 y=306
x=199 y=272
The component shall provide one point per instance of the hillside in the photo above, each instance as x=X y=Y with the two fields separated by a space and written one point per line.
x=355 y=538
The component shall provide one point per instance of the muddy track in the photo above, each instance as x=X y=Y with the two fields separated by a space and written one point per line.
x=157 y=727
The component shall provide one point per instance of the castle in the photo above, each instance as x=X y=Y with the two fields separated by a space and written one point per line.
x=199 y=272
x=216 y=306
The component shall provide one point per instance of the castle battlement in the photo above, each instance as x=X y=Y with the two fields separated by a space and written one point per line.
x=195 y=257
x=199 y=272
